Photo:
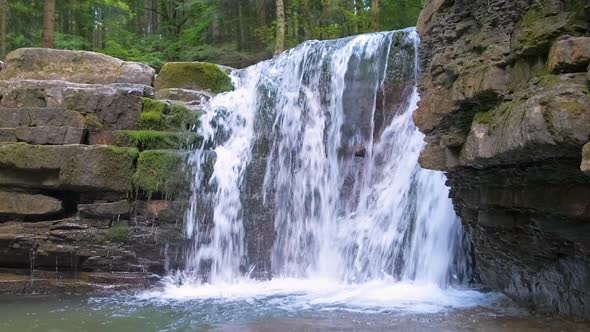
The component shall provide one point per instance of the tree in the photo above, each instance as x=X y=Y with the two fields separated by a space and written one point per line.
x=280 y=41
x=3 y=27
x=375 y=9
x=49 y=24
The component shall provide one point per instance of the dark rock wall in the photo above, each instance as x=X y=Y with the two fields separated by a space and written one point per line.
x=506 y=111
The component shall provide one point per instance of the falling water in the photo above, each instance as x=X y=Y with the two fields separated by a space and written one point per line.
x=321 y=142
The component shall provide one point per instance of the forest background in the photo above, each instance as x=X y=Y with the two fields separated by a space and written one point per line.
x=230 y=32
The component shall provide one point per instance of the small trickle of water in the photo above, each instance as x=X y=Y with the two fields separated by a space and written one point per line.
x=320 y=142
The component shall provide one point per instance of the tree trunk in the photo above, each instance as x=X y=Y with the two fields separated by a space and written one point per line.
x=280 y=41
x=3 y=27
x=375 y=12
x=49 y=24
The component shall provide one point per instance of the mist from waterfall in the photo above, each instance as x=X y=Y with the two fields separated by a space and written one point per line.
x=339 y=179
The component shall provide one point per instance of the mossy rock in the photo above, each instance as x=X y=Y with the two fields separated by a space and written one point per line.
x=156 y=140
x=164 y=117
x=117 y=233
x=154 y=105
x=161 y=171
x=193 y=75
x=72 y=167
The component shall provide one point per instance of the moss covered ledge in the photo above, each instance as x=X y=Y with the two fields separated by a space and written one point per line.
x=161 y=171
x=193 y=75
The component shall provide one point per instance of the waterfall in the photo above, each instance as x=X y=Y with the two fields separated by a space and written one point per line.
x=309 y=170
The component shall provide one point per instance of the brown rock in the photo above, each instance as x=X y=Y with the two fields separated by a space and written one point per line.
x=433 y=157
x=73 y=66
x=569 y=55
x=21 y=204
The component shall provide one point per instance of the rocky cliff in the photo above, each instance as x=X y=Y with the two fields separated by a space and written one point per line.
x=506 y=112
x=93 y=179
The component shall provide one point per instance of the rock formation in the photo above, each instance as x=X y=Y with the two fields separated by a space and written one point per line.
x=91 y=177
x=505 y=106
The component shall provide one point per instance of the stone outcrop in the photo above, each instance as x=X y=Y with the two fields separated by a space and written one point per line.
x=505 y=106
x=73 y=66
x=92 y=176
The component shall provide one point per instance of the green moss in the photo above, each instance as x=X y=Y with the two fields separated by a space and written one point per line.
x=153 y=105
x=92 y=122
x=157 y=140
x=179 y=118
x=182 y=117
x=117 y=233
x=160 y=171
x=483 y=117
x=152 y=120
x=193 y=75
x=129 y=152
x=572 y=107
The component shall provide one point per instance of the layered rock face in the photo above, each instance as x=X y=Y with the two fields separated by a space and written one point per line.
x=92 y=174
x=506 y=112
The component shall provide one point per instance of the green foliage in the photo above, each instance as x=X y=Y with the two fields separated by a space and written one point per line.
x=160 y=171
x=154 y=105
x=235 y=33
x=152 y=120
x=117 y=233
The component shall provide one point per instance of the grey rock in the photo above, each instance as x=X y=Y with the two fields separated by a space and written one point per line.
x=585 y=167
x=569 y=55
x=36 y=117
x=73 y=66
x=50 y=135
x=105 y=210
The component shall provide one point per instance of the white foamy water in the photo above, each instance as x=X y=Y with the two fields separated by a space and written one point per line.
x=358 y=225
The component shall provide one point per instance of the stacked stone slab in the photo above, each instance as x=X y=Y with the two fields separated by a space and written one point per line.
x=93 y=176
x=505 y=106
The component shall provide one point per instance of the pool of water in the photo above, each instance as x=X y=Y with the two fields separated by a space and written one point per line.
x=280 y=305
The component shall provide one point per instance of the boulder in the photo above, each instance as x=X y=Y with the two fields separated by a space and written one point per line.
x=585 y=167
x=115 y=106
x=73 y=66
x=50 y=135
x=74 y=167
x=7 y=135
x=194 y=76
x=569 y=55
x=22 y=204
x=1 y=65
x=105 y=210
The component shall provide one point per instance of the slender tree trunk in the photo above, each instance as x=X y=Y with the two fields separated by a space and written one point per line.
x=49 y=24
x=375 y=12
x=280 y=41
x=3 y=27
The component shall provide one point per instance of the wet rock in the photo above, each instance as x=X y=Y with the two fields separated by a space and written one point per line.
x=22 y=204
x=79 y=167
x=505 y=109
x=73 y=66
x=569 y=55
x=194 y=76
x=105 y=210
x=585 y=167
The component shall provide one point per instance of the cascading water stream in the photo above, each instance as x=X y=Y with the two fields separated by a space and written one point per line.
x=321 y=140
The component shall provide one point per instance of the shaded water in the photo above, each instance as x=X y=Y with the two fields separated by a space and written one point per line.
x=130 y=313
